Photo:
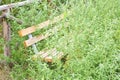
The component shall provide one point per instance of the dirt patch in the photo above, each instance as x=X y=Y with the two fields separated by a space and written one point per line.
x=4 y=75
x=4 y=71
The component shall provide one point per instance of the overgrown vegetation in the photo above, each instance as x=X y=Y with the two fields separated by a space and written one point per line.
x=90 y=36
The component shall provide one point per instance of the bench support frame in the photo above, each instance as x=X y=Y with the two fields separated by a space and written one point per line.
x=33 y=45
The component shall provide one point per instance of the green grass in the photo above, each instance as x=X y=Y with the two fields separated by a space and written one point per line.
x=91 y=39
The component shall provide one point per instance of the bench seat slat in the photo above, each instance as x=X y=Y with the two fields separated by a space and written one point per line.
x=32 y=29
x=27 y=31
x=48 y=55
x=35 y=39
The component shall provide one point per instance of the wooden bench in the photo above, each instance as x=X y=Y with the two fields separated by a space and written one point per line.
x=46 y=55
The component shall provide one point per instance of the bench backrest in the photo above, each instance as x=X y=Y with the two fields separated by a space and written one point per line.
x=32 y=29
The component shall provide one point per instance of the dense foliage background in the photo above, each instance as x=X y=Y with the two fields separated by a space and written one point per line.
x=91 y=38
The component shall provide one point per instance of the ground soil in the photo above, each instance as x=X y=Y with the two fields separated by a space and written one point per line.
x=4 y=71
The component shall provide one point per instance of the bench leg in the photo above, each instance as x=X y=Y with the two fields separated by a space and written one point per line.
x=33 y=46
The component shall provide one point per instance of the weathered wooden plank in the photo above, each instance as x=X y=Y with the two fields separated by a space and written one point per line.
x=48 y=59
x=12 y=5
x=6 y=35
x=34 y=40
x=45 y=55
x=48 y=55
x=1 y=31
x=32 y=29
x=27 y=31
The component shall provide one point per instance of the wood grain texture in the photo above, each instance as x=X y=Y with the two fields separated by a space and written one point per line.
x=32 y=29
x=12 y=5
x=27 y=31
x=6 y=35
x=48 y=55
x=34 y=40
x=48 y=33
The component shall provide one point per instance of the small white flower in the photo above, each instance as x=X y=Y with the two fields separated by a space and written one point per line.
x=101 y=66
